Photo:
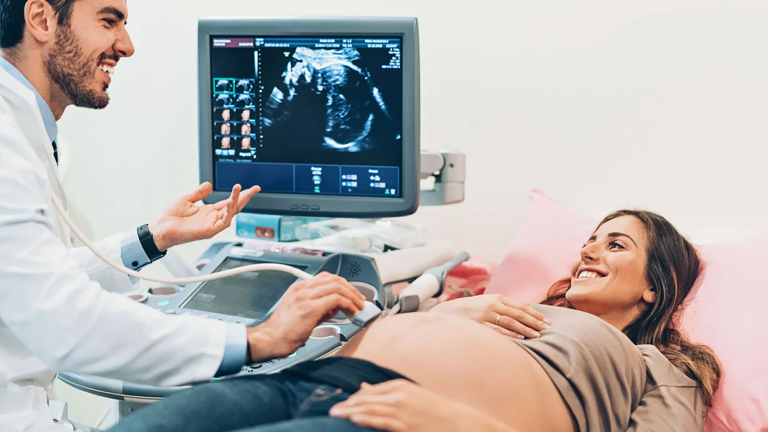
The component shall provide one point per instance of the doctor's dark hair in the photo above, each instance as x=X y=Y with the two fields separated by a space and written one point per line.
x=671 y=269
x=12 y=19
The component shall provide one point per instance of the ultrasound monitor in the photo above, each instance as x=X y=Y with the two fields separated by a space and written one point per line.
x=321 y=113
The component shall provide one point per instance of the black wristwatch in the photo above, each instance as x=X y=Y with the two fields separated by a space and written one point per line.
x=148 y=243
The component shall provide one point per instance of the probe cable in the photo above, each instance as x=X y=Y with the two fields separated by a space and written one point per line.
x=178 y=281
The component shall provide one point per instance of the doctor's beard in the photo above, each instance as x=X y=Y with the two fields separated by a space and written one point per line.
x=73 y=72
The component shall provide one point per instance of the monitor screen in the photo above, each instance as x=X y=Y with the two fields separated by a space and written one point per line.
x=307 y=115
x=321 y=113
x=249 y=295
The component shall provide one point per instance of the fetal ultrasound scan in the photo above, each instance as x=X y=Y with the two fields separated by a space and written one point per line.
x=244 y=100
x=243 y=115
x=328 y=100
x=244 y=86
x=224 y=85
x=222 y=114
x=224 y=142
x=222 y=100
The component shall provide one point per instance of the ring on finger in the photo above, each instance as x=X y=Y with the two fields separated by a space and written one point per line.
x=498 y=317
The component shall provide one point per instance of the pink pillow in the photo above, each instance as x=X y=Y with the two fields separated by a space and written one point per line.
x=545 y=247
x=725 y=311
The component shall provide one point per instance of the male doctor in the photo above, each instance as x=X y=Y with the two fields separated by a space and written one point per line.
x=60 y=307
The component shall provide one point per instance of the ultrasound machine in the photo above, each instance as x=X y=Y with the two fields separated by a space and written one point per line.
x=323 y=115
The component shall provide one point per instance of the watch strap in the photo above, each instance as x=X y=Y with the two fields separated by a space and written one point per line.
x=148 y=243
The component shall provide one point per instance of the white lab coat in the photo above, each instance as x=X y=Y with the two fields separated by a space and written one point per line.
x=59 y=306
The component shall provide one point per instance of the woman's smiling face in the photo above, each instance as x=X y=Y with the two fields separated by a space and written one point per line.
x=610 y=280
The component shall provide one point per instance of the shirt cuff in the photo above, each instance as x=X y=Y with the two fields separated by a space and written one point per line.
x=131 y=251
x=235 y=350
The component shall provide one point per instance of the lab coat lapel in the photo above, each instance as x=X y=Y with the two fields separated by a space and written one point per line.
x=24 y=109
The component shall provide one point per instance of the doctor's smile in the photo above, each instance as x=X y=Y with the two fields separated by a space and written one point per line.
x=276 y=175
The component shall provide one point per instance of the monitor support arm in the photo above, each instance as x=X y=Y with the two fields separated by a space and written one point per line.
x=447 y=167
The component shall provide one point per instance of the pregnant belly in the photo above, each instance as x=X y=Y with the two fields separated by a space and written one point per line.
x=467 y=362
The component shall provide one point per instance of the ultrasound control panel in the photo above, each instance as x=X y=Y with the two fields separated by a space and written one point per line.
x=248 y=298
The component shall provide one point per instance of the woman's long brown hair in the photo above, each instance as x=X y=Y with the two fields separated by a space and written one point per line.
x=671 y=270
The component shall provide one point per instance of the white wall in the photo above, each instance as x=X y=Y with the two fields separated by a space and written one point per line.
x=602 y=104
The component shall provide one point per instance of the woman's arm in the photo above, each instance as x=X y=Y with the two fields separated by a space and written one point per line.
x=401 y=405
x=669 y=408
x=502 y=314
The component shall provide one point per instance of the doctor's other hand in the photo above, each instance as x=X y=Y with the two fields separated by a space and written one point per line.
x=401 y=405
x=502 y=314
x=303 y=307
x=184 y=222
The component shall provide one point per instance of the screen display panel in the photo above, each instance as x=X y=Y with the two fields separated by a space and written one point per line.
x=307 y=115
x=250 y=295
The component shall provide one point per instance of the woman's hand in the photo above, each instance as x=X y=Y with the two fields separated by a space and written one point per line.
x=184 y=222
x=506 y=316
x=401 y=405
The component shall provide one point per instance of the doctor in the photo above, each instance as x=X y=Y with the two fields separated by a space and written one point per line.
x=60 y=307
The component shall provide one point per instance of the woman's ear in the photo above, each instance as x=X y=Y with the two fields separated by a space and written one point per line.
x=649 y=296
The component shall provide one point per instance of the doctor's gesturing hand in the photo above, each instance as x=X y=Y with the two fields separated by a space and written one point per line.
x=509 y=317
x=184 y=222
x=305 y=305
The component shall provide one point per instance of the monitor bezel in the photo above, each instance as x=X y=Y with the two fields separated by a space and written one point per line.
x=320 y=205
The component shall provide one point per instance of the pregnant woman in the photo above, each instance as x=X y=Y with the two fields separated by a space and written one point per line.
x=600 y=354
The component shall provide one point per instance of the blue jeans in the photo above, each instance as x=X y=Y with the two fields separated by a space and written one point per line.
x=265 y=403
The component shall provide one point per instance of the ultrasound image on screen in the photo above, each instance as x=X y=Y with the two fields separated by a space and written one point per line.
x=244 y=100
x=249 y=295
x=244 y=86
x=243 y=115
x=224 y=114
x=224 y=85
x=244 y=143
x=245 y=128
x=223 y=100
x=223 y=128
x=224 y=142
x=327 y=101
x=307 y=102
